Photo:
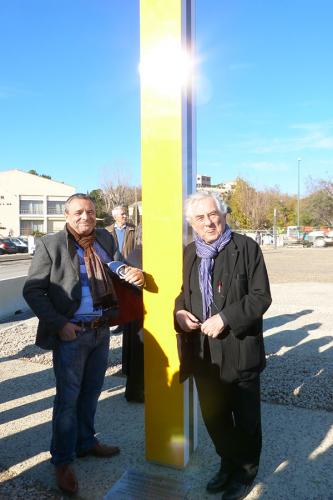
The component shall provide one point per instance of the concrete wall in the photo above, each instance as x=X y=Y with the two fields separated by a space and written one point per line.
x=11 y=299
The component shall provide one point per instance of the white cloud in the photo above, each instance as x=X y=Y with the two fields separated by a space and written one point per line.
x=266 y=166
x=315 y=136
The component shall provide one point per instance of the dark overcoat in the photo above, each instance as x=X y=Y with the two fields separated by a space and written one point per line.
x=241 y=292
x=53 y=289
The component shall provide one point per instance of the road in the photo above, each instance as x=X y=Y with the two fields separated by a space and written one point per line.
x=283 y=264
x=13 y=268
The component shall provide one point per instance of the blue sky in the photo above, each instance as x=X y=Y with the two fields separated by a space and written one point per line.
x=69 y=90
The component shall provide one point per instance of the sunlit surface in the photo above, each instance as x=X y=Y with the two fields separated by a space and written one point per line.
x=166 y=67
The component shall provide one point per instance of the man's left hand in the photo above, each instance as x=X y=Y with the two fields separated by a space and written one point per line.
x=213 y=326
x=134 y=276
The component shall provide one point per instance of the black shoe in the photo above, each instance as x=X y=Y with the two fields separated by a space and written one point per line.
x=219 y=481
x=134 y=396
x=236 y=490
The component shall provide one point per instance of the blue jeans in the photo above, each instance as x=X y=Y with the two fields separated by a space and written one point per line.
x=79 y=366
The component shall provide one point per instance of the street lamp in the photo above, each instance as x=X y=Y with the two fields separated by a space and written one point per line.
x=298 y=192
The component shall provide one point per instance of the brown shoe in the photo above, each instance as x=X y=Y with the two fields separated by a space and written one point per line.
x=100 y=450
x=66 y=479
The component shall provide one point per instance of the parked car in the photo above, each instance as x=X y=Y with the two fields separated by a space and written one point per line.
x=7 y=246
x=22 y=246
x=319 y=238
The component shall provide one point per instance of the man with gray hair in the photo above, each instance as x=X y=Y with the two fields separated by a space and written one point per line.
x=125 y=235
x=122 y=231
x=218 y=316
x=72 y=294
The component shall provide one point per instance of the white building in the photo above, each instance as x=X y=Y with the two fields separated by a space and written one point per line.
x=30 y=203
x=203 y=181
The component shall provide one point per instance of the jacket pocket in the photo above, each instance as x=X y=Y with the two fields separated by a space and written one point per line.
x=251 y=352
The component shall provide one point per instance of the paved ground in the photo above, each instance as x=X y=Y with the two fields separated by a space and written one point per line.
x=297 y=264
x=297 y=409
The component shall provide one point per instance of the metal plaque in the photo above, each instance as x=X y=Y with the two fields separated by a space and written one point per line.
x=138 y=485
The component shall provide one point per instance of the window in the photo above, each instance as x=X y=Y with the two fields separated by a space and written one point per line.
x=31 y=206
x=55 y=207
x=31 y=226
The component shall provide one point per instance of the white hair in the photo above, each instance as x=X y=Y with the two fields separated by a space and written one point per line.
x=116 y=209
x=192 y=201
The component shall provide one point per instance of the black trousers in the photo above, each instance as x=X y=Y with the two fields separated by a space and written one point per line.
x=132 y=361
x=231 y=412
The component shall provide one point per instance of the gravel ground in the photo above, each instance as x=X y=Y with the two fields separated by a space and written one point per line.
x=299 y=368
x=17 y=337
x=299 y=353
x=18 y=342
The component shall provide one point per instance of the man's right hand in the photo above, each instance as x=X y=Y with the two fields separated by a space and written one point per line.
x=68 y=332
x=187 y=321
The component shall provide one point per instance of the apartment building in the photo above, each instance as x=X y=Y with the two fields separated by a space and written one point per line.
x=30 y=203
x=203 y=181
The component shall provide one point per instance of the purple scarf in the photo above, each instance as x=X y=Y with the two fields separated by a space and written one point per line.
x=208 y=253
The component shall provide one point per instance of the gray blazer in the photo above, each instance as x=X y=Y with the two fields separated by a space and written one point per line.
x=53 y=288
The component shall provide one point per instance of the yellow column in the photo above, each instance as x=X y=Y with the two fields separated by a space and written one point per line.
x=167 y=147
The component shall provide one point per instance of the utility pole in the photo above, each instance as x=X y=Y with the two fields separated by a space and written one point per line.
x=274 y=229
x=298 y=193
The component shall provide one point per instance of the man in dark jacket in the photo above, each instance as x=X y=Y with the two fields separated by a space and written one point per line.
x=72 y=294
x=218 y=317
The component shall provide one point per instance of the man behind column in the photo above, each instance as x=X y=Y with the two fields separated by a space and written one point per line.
x=72 y=294
x=219 y=317
x=122 y=231
x=128 y=243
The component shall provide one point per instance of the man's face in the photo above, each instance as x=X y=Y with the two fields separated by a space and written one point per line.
x=120 y=218
x=207 y=221
x=81 y=216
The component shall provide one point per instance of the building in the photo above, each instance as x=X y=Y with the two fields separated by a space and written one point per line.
x=227 y=187
x=203 y=181
x=222 y=190
x=30 y=203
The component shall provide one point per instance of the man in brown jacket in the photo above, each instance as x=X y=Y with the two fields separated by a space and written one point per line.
x=122 y=232
x=125 y=238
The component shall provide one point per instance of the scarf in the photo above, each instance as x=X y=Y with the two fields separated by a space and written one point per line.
x=207 y=253
x=100 y=282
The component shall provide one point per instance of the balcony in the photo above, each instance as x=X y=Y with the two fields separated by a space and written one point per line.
x=55 y=211
x=31 y=211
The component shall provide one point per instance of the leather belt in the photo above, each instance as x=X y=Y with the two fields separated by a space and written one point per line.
x=95 y=323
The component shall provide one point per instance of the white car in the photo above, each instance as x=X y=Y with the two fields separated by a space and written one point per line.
x=320 y=238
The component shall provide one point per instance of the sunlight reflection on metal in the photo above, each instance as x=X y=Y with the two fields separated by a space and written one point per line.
x=166 y=67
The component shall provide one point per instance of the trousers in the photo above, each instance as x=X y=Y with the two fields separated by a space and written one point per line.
x=79 y=368
x=232 y=416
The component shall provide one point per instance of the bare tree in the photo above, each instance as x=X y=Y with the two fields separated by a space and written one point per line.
x=118 y=192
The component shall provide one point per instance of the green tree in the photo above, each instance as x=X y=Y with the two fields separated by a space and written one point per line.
x=318 y=206
x=97 y=196
x=34 y=172
x=249 y=208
